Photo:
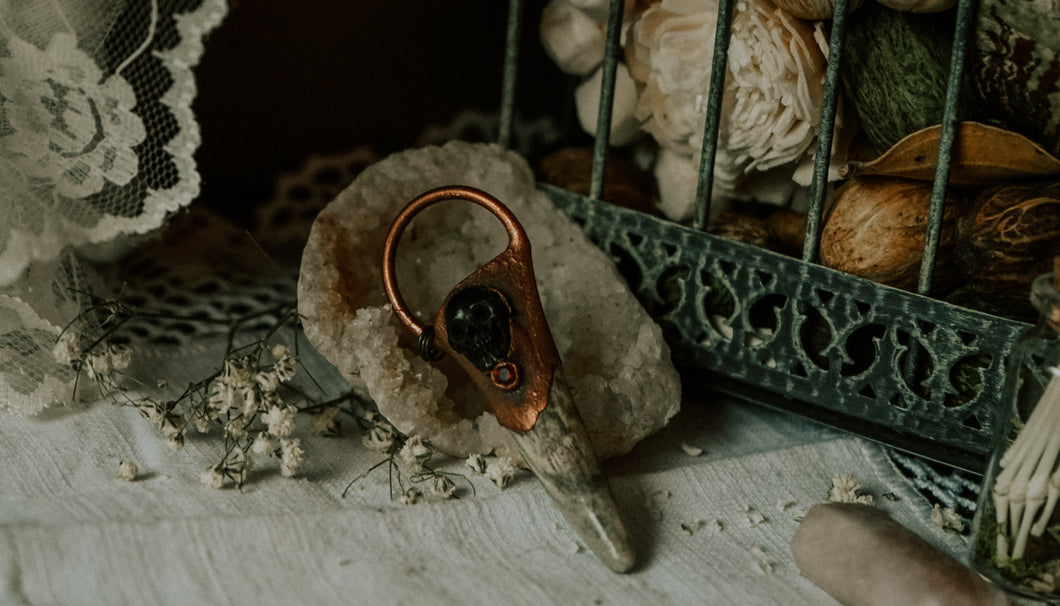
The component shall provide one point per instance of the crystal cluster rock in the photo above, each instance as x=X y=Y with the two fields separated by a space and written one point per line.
x=617 y=364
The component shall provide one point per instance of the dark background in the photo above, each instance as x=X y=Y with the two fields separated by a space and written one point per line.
x=281 y=79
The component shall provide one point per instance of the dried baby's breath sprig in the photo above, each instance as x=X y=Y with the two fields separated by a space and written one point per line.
x=252 y=398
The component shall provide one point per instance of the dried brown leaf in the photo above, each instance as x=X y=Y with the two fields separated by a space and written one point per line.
x=982 y=156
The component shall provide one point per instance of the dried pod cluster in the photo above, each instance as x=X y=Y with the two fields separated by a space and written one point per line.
x=875 y=228
x=1007 y=238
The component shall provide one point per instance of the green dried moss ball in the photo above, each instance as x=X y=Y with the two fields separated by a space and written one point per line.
x=894 y=71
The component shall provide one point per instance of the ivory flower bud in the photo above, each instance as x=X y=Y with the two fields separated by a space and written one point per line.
x=625 y=128
x=571 y=38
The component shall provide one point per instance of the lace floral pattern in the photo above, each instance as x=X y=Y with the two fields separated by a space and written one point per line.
x=68 y=125
x=97 y=139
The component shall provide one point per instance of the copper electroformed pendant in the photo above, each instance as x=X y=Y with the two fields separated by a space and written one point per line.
x=493 y=325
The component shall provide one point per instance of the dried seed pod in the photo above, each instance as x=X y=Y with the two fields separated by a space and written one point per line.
x=741 y=227
x=982 y=155
x=812 y=10
x=787 y=231
x=624 y=184
x=919 y=6
x=875 y=228
x=1007 y=239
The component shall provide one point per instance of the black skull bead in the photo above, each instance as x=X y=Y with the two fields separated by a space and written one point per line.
x=477 y=321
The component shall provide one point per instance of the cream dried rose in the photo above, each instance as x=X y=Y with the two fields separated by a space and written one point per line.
x=773 y=91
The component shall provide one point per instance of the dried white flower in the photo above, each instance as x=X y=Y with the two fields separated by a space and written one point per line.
x=291 y=456
x=212 y=477
x=237 y=427
x=120 y=356
x=844 y=490
x=380 y=439
x=262 y=444
x=754 y=517
x=176 y=443
x=127 y=470
x=285 y=368
x=501 y=472
x=476 y=463
x=151 y=410
x=173 y=426
x=267 y=380
x=946 y=518
x=98 y=365
x=773 y=90
x=280 y=420
x=412 y=496
x=444 y=487
x=414 y=453
x=326 y=422
x=279 y=351
x=68 y=347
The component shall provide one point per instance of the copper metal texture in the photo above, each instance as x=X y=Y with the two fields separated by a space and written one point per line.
x=511 y=273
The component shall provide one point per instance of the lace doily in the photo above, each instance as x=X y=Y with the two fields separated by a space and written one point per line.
x=96 y=144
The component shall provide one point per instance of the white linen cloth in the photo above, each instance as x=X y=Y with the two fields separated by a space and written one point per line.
x=72 y=532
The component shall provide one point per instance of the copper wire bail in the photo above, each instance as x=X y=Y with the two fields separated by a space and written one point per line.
x=517 y=241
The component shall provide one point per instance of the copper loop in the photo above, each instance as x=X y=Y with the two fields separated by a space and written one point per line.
x=516 y=240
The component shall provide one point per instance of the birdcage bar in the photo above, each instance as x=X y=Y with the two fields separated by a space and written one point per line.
x=607 y=99
x=825 y=132
x=511 y=71
x=946 y=140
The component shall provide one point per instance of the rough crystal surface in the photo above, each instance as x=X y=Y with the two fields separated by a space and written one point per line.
x=614 y=357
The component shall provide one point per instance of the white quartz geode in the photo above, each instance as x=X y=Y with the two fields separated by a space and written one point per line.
x=614 y=357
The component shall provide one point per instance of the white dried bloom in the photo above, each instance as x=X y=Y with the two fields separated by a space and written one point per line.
x=98 y=365
x=844 y=490
x=127 y=470
x=280 y=350
x=173 y=426
x=285 y=368
x=572 y=39
x=280 y=420
x=625 y=123
x=237 y=373
x=773 y=89
x=326 y=422
x=412 y=496
x=414 y=453
x=291 y=456
x=224 y=397
x=476 y=463
x=380 y=439
x=267 y=380
x=151 y=410
x=262 y=444
x=946 y=518
x=120 y=356
x=202 y=420
x=176 y=443
x=213 y=477
x=444 y=487
x=237 y=427
x=68 y=347
x=501 y=472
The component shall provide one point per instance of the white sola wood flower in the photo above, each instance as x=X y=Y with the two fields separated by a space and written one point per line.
x=1027 y=489
x=772 y=97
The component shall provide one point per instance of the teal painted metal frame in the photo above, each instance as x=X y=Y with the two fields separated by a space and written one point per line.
x=901 y=368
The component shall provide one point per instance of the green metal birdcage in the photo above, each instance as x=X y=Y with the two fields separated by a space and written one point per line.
x=911 y=371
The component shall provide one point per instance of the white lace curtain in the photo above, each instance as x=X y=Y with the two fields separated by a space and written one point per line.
x=96 y=143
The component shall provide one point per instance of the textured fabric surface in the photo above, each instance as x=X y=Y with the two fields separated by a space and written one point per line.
x=74 y=533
